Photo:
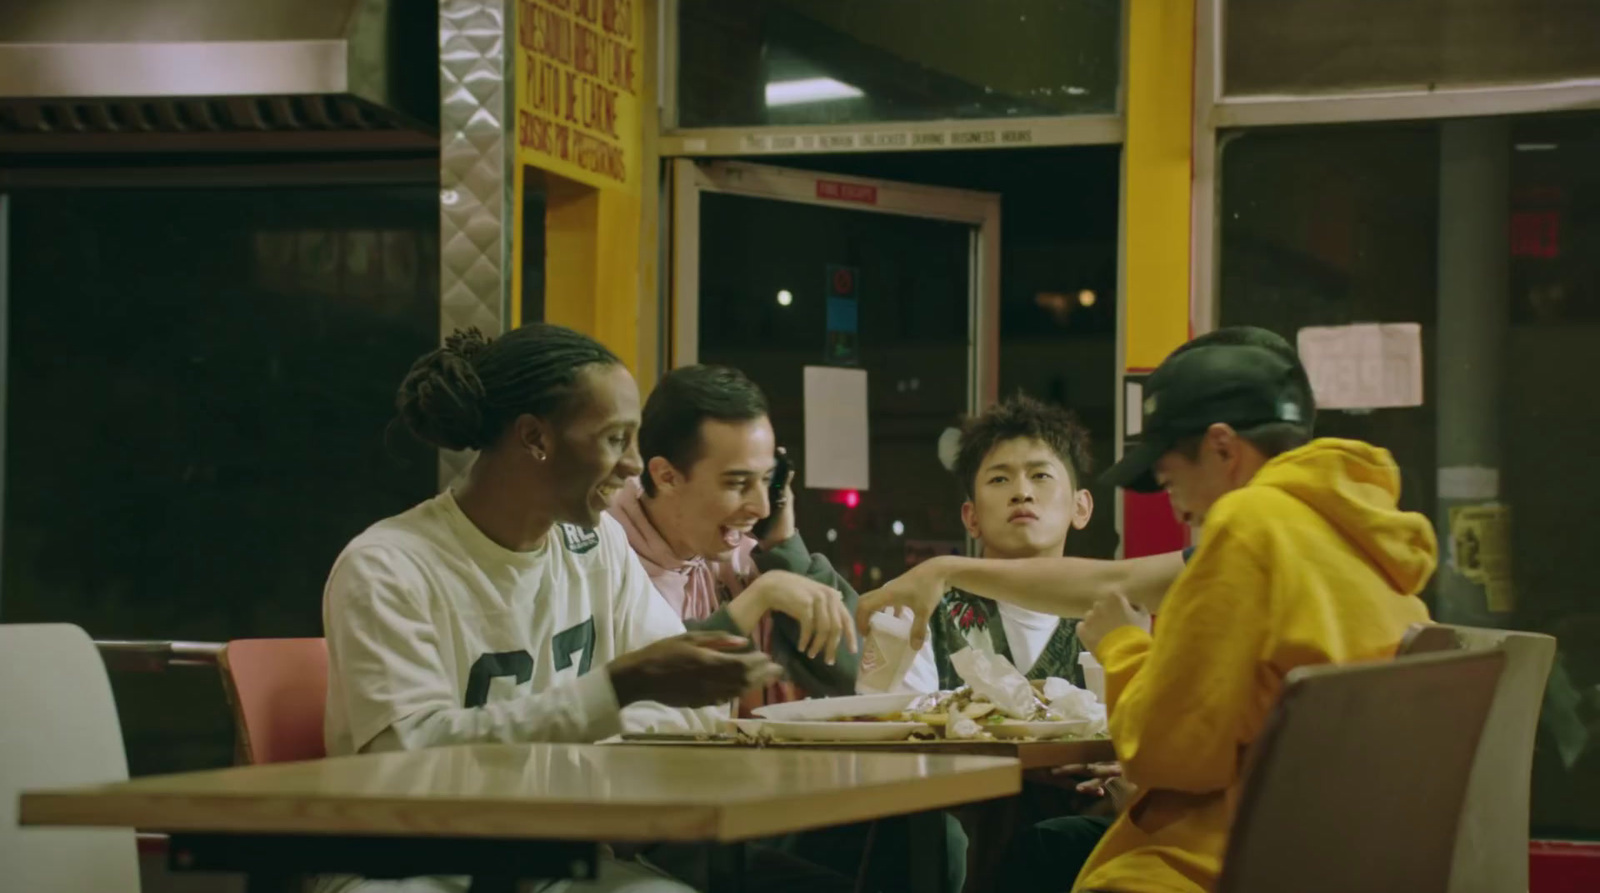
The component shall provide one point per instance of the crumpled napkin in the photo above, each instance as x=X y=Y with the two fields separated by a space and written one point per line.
x=994 y=677
x=1074 y=704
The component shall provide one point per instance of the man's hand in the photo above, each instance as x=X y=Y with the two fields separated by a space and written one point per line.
x=1092 y=776
x=920 y=589
x=1108 y=614
x=819 y=609
x=782 y=525
x=691 y=670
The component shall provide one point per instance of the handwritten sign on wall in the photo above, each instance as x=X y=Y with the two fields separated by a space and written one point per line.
x=577 y=89
x=1367 y=366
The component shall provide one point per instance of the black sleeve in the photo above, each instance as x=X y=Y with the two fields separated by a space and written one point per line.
x=812 y=674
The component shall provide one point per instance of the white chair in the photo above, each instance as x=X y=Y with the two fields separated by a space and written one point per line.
x=58 y=728
x=1492 y=844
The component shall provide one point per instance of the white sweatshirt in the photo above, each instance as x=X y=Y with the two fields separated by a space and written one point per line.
x=438 y=635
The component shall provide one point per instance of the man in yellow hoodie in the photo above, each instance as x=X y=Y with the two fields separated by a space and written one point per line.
x=1304 y=558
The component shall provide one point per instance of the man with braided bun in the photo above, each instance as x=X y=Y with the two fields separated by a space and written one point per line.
x=511 y=609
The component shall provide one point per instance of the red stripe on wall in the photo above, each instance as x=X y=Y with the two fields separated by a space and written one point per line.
x=1148 y=527
x=1556 y=866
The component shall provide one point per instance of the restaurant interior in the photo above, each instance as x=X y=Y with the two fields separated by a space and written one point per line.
x=230 y=228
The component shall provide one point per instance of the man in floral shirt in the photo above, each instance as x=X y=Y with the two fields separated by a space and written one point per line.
x=1022 y=464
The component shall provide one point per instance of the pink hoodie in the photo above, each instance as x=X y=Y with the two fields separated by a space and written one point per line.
x=690 y=587
x=696 y=588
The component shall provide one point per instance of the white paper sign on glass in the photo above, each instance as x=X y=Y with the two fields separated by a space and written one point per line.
x=1132 y=408
x=836 y=428
x=1366 y=366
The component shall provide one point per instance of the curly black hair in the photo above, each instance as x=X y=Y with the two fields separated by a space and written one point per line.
x=1019 y=417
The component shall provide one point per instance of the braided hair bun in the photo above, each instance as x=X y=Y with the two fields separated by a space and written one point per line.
x=442 y=398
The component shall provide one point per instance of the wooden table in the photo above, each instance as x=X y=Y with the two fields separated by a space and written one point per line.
x=1028 y=754
x=483 y=809
x=990 y=825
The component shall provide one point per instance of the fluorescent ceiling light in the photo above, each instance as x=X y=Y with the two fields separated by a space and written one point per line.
x=809 y=90
x=1536 y=147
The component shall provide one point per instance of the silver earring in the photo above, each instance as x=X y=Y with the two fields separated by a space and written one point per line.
x=538 y=454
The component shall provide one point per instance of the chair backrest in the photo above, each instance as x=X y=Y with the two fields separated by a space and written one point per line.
x=1356 y=782
x=59 y=729
x=278 y=689
x=1492 y=843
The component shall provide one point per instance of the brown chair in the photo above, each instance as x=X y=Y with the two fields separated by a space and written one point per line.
x=1357 y=780
x=278 y=689
x=1492 y=844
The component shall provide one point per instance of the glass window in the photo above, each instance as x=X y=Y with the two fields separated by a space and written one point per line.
x=1058 y=280
x=1058 y=312
x=1309 y=46
x=199 y=389
x=766 y=269
x=1497 y=255
x=753 y=62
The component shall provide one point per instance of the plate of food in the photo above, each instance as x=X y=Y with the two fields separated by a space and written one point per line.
x=1046 y=729
x=968 y=713
x=855 y=708
x=963 y=714
x=865 y=730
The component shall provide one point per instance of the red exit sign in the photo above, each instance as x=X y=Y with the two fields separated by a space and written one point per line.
x=839 y=191
x=1535 y=234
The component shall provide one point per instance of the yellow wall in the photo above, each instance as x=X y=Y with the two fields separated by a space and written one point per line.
x=1156 y=220
x=591 y=279
x=1160 y=136
x=600 y=264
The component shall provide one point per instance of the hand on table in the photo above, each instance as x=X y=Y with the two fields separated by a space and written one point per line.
x=691 y=670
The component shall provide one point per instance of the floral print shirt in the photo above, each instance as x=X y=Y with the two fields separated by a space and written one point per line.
x=965 y=620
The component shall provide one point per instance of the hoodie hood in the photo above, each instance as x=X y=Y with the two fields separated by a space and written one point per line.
x=689 y=586
x=1356 y=487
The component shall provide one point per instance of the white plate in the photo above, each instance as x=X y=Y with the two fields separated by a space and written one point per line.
x=824 y=709
x=1077 y=728
x=837 y=731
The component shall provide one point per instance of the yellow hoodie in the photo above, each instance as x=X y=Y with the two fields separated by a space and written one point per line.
x=1311 y=562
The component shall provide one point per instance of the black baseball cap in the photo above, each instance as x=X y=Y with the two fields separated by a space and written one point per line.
x=1241 y=376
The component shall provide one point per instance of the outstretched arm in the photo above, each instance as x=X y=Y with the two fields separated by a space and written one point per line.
x=1068 y=587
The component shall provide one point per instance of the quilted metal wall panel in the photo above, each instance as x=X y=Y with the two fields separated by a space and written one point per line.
x=476 y=150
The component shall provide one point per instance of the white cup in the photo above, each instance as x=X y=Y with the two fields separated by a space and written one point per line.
x=1094 y=675
x=886 y=655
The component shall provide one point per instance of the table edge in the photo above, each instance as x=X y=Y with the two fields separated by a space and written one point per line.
x=732 y=821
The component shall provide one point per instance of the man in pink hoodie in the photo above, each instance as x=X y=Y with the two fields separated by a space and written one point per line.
x=710 y=454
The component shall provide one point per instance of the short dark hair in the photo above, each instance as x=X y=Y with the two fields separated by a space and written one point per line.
x=464 y=395
x=684 y=399
x=1272 y=439
x=1023 y=417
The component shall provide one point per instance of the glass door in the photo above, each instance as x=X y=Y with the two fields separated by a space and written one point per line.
x=778 y=270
